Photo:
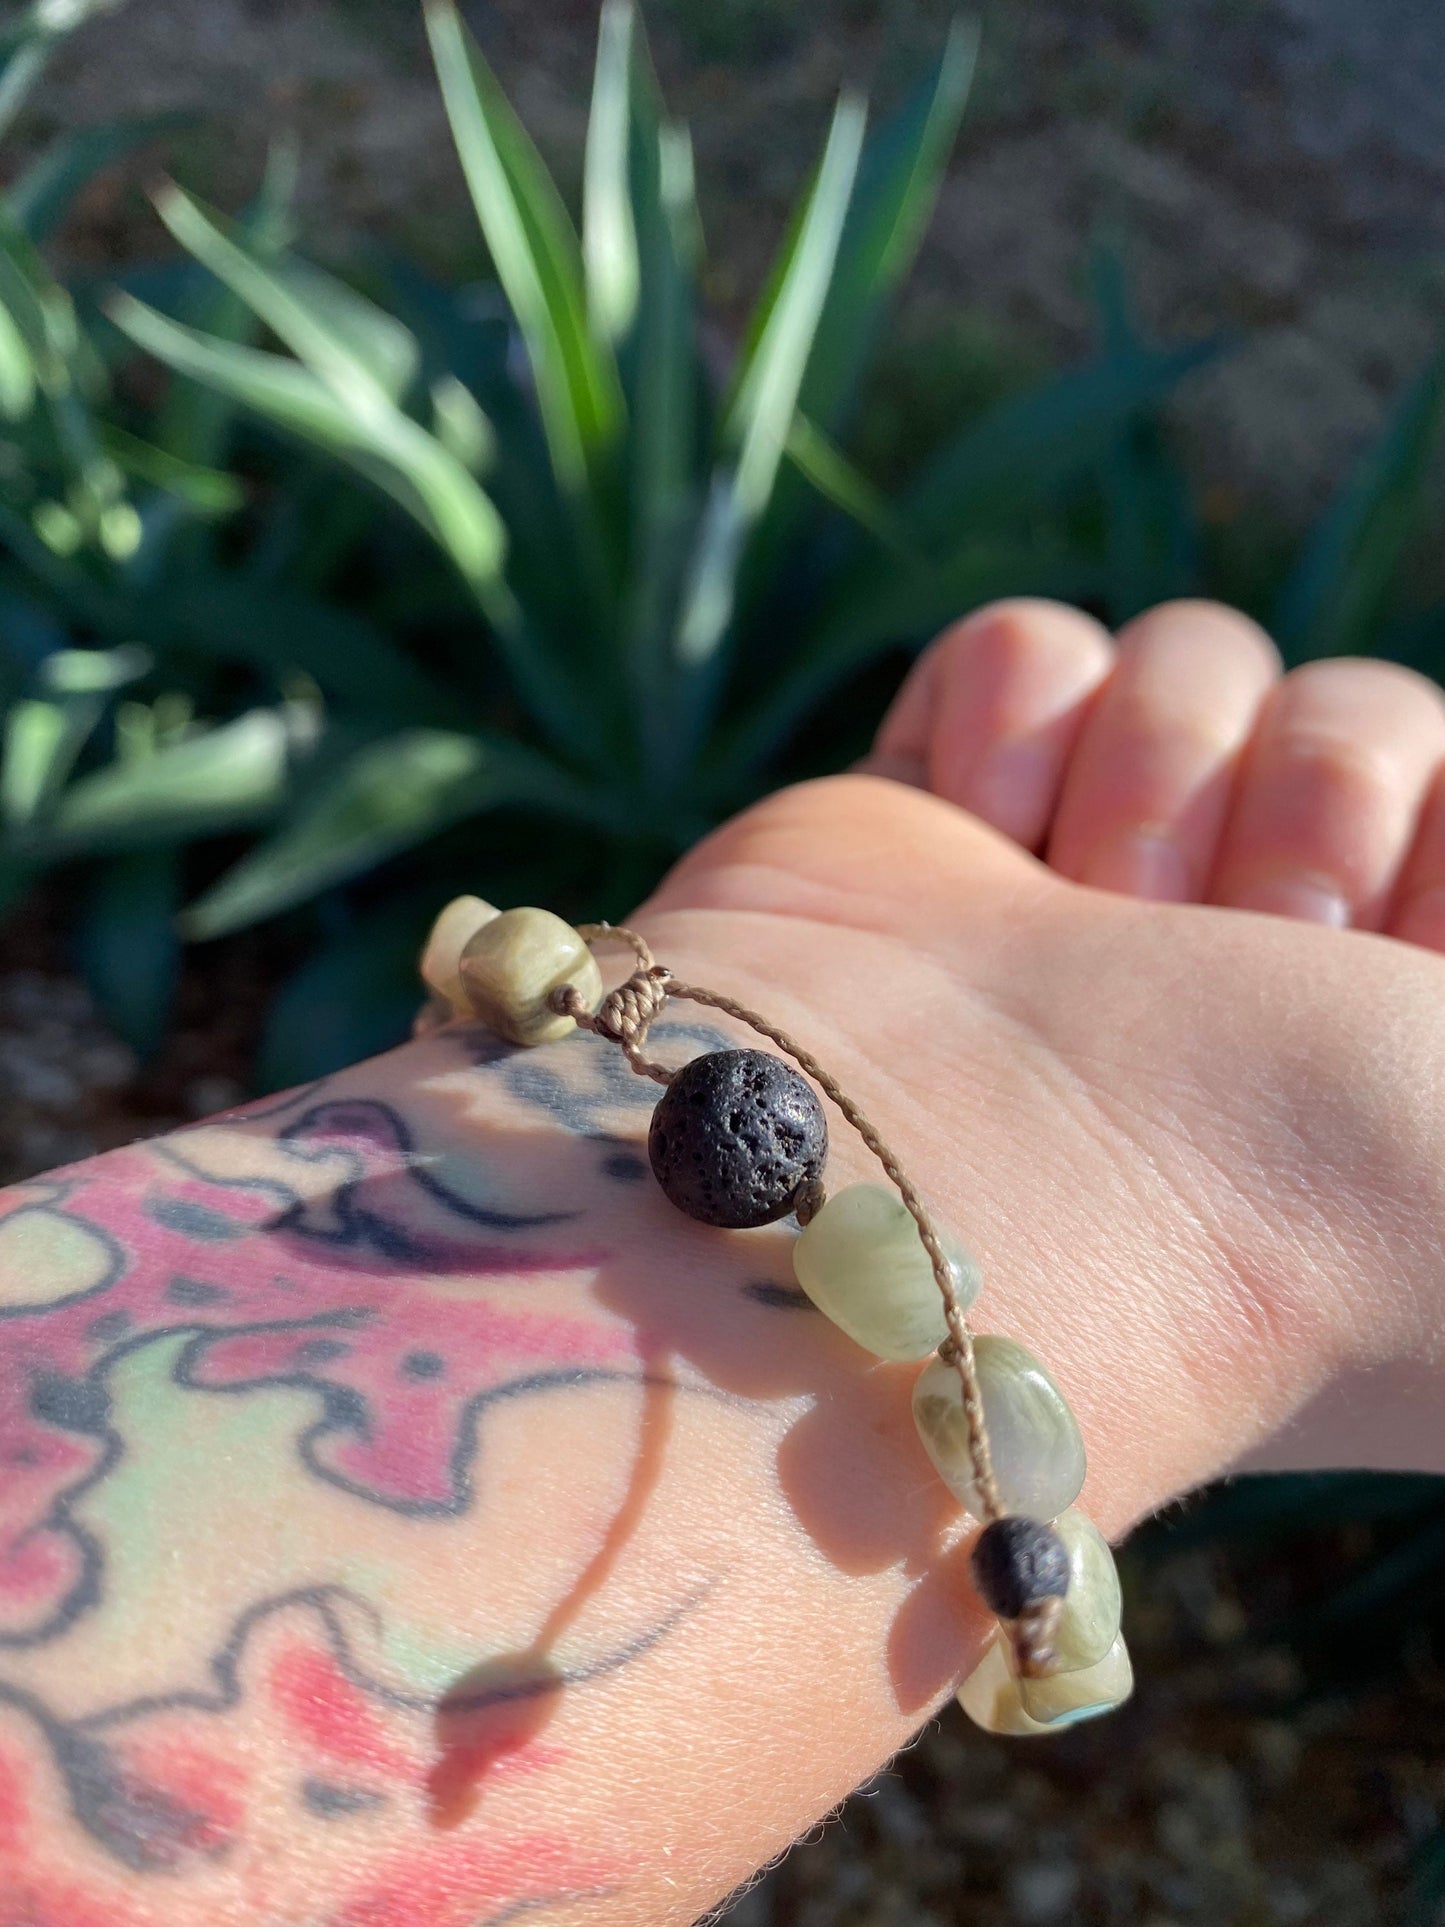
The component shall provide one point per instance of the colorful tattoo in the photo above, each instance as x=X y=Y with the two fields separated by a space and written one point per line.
x=287 y=1342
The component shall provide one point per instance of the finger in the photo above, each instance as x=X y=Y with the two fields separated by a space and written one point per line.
x=1147 y=791
x=990 y=713
x=1418 y=912
x=1330 y=792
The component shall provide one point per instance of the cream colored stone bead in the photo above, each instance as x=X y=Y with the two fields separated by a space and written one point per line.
x=511 y=966
x=1038 y=1453
x=462 y=918
x=1093 y=1604
x=990 y=1695
x=996 y=1700
x=862 y=1262
x=1063 y=1699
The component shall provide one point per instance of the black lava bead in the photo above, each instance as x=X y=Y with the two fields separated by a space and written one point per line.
x=1018 y=1562
x=736 y=1136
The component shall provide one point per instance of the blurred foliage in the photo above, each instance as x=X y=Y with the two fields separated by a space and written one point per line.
x=382 y=588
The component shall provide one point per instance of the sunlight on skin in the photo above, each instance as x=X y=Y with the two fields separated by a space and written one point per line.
x=46 y=1257
x=480 y=1400
x=254 y=1585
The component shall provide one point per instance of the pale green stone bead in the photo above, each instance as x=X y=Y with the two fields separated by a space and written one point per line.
x=1038 y=1453
x=441 y=958
x=1063 y=1699
x=511 y=966
x=1093 y=1604
x=862 y=1262
x=990 y=1695
x=995 y=1699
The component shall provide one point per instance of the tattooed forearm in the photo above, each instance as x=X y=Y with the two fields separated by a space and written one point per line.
x=265 y=1398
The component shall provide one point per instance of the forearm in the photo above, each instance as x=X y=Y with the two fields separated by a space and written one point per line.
x=411 y=1518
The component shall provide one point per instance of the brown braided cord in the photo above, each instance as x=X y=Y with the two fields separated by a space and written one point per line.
x=626 y=1014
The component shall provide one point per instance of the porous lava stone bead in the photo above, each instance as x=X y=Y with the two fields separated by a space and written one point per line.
x=1017 y=1563
x=736 y=1136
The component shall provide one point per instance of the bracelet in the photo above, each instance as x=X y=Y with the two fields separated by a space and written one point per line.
x=739 y=1139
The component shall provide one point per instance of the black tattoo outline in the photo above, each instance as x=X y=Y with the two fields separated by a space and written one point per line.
x=777 y=1296
x=146 y=1829
x=344 y=1220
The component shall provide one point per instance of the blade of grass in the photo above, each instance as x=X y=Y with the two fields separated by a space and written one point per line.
x=538 y=260
x=195 y=422
x=1337 y=595
x=388 y=797
x=397 y=455
x=423 y=479
x=17 y=369
x=208 y=491
x=1152 y=533
x=662 y=371
x=228 y=778
x=821 y=463
x=534 y=249
x=764 y=407
x=365 y=357
x=231 y=617
x=609 y=234
x=1024 y=447
x=905 y=607
x=41 y=197
x=41 y=743
x=899 y=176
x=127 y=946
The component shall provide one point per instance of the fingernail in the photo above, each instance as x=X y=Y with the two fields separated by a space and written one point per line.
x=1298 y=897
x=1142 y=863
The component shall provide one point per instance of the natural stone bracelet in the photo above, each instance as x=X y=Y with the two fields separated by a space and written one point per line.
x=739 y=1139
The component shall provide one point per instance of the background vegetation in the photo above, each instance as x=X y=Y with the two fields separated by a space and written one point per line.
x=327 y=592
x=392 y=587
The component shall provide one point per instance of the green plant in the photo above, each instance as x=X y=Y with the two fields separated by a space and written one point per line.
x=618 y=598
x=394 y=587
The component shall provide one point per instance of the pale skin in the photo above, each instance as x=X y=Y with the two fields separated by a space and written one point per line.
x=409 y=1520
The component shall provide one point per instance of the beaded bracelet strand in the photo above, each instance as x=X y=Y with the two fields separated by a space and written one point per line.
x=739 y=1139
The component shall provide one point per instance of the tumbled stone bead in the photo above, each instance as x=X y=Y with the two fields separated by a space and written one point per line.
x=996 y=1700
x=1038 y=1453
x=990 y=1695
x=862 y=1262
x=1089 y=1623
x=736 y=1136
x=512 y=964
x=462 y=918
x=1063 y=1699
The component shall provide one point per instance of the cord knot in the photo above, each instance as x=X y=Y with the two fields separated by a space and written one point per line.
x=626 y=1013
x=1033 y=1634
